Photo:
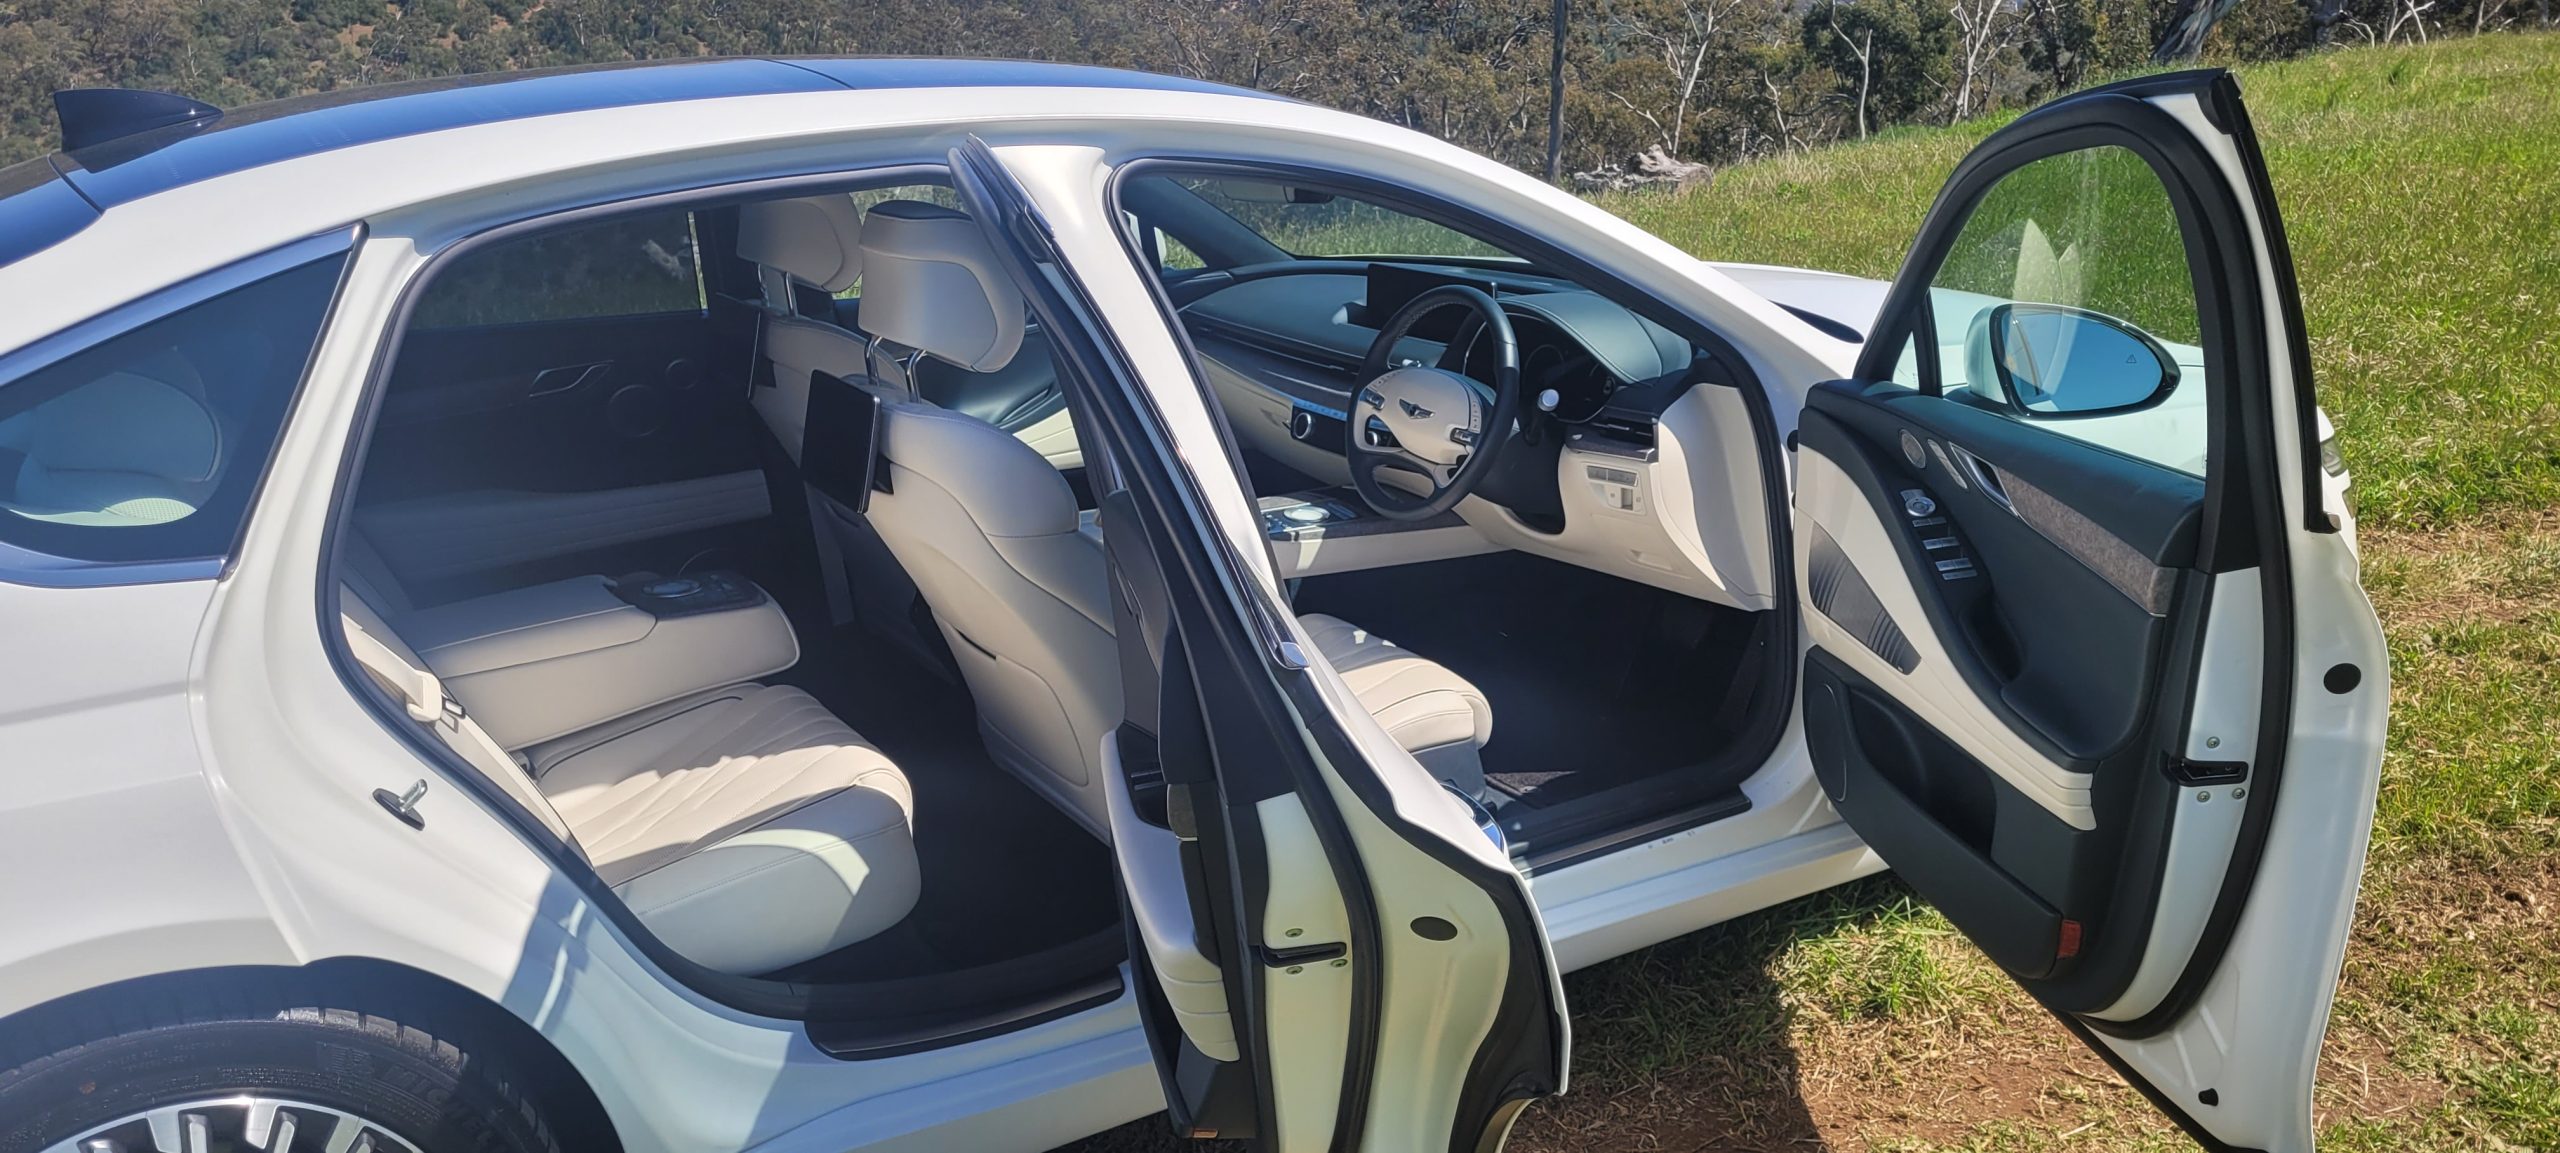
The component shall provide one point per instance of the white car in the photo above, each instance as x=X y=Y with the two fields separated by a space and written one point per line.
x=813 y=605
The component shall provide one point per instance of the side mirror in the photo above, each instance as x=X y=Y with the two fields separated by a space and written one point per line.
x=2050 y=360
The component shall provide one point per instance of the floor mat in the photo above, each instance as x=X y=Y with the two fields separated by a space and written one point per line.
x=1595 y=682
x=1005 y=873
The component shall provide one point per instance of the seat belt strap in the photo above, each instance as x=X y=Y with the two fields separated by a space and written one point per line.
x=426 y=702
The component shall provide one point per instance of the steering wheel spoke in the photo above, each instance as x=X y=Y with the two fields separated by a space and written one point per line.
x=1431 y=422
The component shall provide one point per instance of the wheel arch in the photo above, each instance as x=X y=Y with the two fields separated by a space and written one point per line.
x=365 y=984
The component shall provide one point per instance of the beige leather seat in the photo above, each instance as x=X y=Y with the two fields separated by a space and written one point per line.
x=985 y=527
x=1016 y=578
x=1436 y=714
x=747 y=826
x=814 y=241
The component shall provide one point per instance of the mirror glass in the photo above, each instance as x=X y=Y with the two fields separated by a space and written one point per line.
x=2059 y=360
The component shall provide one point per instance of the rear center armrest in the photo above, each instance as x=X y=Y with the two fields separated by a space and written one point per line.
x=536 y=663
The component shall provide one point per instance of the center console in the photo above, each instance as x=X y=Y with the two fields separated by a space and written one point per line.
x=1332 y=530
x=535 y=663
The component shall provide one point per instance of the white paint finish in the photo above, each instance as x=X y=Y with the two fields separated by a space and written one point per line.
x=1933 y=690
x=2230 y=685
x=2254 y=1036
x=120 y=859
x=1306 y=1008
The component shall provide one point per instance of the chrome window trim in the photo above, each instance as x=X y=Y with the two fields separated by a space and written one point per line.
x=24 y=566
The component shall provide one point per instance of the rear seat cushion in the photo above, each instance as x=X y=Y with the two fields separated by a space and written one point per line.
x=748 y=827
x=1420 y=702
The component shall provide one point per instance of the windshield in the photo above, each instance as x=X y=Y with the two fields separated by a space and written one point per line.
x=1306 y=223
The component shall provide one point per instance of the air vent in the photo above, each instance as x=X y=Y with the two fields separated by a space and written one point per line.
x=1616 y=424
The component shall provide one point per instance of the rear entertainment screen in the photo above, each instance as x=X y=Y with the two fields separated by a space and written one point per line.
x=840 y=448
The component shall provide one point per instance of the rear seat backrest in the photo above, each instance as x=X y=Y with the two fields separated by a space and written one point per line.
x=814 y=241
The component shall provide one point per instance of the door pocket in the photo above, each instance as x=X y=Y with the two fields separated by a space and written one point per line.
x=1934 y=815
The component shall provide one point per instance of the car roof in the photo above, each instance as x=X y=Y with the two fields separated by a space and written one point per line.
x=44 y=201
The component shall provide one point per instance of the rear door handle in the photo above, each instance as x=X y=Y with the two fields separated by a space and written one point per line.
x=567 y=378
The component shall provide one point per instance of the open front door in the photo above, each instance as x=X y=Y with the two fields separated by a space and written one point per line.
x=1331 y=954
x=2087 y=660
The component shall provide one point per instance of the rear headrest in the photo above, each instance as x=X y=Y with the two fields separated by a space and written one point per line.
x=817 y=240
x=933 y=285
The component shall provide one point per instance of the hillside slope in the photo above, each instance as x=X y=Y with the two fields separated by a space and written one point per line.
x=2421 y=189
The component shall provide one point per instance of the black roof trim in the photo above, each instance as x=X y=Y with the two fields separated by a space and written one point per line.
x=43 y=203
x=260 y=134
x=38 y=209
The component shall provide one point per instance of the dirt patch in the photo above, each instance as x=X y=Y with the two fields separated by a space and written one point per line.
x=2494 y=572
x=2007 y=1068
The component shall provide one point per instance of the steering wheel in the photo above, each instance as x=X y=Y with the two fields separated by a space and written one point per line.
x=1431 y=422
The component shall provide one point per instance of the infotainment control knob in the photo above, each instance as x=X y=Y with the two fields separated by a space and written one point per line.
x=1548 y=399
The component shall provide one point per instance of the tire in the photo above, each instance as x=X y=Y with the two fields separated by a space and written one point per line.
x=423 y=1091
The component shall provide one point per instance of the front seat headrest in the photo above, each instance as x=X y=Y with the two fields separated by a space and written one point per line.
x=817 y=240
x=933 y=285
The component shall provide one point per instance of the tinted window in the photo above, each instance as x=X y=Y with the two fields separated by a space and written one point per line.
x=148 y=445
x=629 y=267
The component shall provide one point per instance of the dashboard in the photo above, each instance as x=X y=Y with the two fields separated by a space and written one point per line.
x=1323 y=315
x=1641 y=439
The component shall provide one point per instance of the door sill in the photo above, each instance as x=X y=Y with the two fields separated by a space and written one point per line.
x=872 y=1040
x=1726 y=804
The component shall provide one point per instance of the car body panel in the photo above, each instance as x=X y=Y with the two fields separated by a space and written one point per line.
x=235 y=738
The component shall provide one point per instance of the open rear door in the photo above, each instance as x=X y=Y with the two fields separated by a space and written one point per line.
x=1331 y=953
x=2087 y=659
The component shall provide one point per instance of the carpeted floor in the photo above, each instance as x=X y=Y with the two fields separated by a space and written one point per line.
x=1595 y=682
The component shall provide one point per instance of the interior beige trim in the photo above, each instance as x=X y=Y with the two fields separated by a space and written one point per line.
x=1305 y=556
x=1150 y=861
x=540 y=662
x=1933 y=689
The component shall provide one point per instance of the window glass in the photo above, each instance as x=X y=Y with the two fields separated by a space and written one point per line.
x=1176 y=254
x=1307 y=223
x=629 y=267
x=2066 y=300
x=147 y=445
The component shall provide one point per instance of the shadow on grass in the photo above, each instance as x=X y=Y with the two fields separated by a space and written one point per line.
x=1690 y=1045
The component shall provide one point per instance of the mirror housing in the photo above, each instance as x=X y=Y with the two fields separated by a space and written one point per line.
x=2054 y=360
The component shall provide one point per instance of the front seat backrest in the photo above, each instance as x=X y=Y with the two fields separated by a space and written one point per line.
x=987 y=529
x=814 y=241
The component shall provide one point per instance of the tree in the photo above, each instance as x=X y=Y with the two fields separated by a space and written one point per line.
x=2190 y=21
x=1985 y=29
x=1880 y=56
x=1679 y=34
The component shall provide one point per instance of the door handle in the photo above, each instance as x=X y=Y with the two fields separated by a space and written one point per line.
x=1984 y=477
x=567 y=378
